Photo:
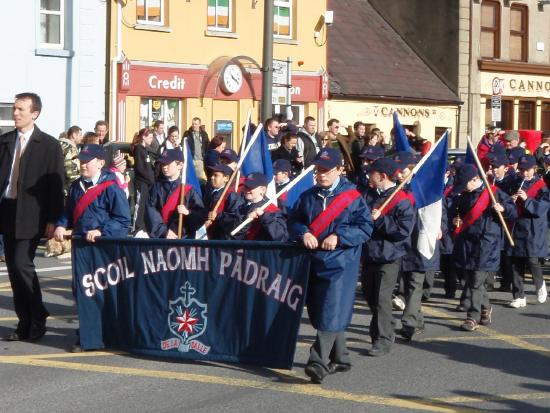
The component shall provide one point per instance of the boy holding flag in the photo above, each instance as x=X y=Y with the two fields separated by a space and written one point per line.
x=163 y=207
x=477 y=234
x=333 y=221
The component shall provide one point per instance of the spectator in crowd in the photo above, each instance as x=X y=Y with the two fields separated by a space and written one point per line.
x=288 y=151
x=119 y=167
x=198 y=141
x=309 y=141
x=158 y=138
x=272 y=129
x=173 y=140
x=543 y=150
x=215 y=147
x=490 y=139
x=69 y=146
x=511 y=140
x=101 y=129
x=90 y=138
x=144 y=177
x=338 y=141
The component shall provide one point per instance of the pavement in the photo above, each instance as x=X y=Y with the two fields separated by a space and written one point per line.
x=503 y=367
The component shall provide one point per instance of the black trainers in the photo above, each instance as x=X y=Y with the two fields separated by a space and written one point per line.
x=315 y=373
x=338 y=367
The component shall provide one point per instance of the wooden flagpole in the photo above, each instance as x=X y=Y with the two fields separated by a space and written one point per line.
x=182 y=187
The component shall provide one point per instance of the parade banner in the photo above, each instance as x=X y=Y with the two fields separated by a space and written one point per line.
x=186 y=299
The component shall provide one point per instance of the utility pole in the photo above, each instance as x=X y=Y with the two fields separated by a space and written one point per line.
x=267 y=62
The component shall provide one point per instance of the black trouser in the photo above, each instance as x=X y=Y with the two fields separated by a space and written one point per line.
x=428 y=284
x=519 y=266
x=506 y=270
x=20 y=253
x=329 y=347
x=377 y=283
x=412 y=316
x=449 y=271
x=141 y=197
x=476 y=291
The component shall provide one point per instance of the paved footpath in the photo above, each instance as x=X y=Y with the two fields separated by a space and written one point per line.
x=505 y=367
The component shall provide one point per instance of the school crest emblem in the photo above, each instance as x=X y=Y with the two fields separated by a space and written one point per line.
x=187 y=320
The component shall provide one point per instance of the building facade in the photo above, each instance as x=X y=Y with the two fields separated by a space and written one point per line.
x=173 y=61
x=60 y=55
x=510 y=59
x=374 y=73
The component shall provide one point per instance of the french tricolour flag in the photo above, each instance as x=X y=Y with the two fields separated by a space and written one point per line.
x=401 y=140
x=428 y=185
x=190 y=173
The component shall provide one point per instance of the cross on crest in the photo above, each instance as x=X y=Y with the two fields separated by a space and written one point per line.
x=187 y=292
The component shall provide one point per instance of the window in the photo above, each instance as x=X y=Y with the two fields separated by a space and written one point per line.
x=220 y=15
x=519 y=33
x=526 y=119
x=545 y=116
x=490 y=29
x=150 y=12
x=52 y=24
x=506 y=114
x=282 y=18
x=439 y=131
x=6 y=119
x=152 y=110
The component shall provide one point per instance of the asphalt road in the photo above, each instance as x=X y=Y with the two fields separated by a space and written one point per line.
x=505 y=367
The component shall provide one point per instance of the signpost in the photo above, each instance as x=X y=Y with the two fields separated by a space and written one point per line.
x=282 y=82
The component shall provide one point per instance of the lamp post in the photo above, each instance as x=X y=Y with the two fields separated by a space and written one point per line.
x=267 y=61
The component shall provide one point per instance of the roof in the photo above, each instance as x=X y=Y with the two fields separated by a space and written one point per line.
x=367 y=58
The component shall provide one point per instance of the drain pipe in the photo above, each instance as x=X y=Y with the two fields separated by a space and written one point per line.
x=114 y=78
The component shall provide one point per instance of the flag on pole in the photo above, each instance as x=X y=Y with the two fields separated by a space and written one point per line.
x=401 y=141
x=294 y=193
x=190 y=173
x=428 y=185
x=258 y=160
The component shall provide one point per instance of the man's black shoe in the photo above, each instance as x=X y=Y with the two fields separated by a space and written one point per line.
x=408 y=333
x=37 y=331
x=315 y=373
x=378 y=351
x=338 y=368
x=17 y=335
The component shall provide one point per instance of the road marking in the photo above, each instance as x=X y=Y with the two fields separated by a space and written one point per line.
x=43 y=280
x=3 y=271
x=495 y=398
x=489 y=332
x=301 y=389
x=54 y=317
x=43 y=289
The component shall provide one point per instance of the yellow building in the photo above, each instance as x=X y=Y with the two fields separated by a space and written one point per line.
x=175 y=60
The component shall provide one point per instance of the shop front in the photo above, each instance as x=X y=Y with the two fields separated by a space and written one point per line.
x=525 y=100
x=428 y=121
x=221 y=98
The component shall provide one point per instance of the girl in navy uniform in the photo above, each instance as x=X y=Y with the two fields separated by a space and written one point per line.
x=333 y=221
x=383 y=253
x=267 y=225
x=96 y=206
x=219 y=176
x=477 y=235
x=530 y=234
x=163 y=209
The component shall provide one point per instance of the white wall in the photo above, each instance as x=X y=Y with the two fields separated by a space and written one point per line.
x=71 y=82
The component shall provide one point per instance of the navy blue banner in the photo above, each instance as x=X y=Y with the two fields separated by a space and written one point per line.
x=203 y=300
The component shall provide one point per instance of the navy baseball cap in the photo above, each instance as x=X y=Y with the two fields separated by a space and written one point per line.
x=404 y=158
x=282 y=165
x=220 y=167
x=384 y=165
x=497 y=148
x=230 y=155
x=527 y=162
x=547 y=159
x=328 y=158
x=514 y=154
x=464 y=175
x=254 y=180
x=372 y=152
x=171 y=155
x=90 y=152
x=497 y=160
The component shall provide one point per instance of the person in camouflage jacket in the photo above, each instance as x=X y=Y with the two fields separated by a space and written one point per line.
x=69 y=143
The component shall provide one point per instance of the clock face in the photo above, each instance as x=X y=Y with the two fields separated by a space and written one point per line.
x=232 y=79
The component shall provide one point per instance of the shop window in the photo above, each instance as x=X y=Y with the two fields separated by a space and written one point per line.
x=152 y=110
x=282 y=18
x=220 y=15
x=52 y=24
x=6 y=119
x=490 y=29
x=545 y=116
x=297 y=112
x=506 y=115
x=519 y=32
x=438 y=133
x=526 y=119
x=150 y=12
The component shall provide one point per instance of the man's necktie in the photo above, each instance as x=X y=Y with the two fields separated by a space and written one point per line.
x=15 y=170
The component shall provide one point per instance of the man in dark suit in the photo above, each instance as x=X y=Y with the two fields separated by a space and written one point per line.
x=31 y=201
